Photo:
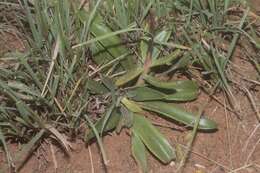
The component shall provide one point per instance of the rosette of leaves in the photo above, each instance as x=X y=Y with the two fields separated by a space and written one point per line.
x=138 y=91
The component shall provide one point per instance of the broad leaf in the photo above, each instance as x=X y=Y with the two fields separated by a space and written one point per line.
x=145 y=94
x=132 y=106
x=172 y=85
x=184 y=95
x=139 y=152
x=153 y=139
x=176 y=113
x=106 y=49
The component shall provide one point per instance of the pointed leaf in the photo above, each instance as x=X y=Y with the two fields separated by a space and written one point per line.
x=153 y=139
x=176 y=113
x=139 y=152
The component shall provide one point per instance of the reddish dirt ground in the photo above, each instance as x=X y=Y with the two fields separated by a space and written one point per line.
x=234 y=147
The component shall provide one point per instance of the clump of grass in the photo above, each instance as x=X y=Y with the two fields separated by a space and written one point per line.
x=109 y=54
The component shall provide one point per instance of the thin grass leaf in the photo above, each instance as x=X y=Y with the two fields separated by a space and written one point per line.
x=36 y=35
x=96 y=134
x=6 y=150
x=107 y=115
x=59 y=137
x=28 y=149
x=110 y=125
x=105 y=36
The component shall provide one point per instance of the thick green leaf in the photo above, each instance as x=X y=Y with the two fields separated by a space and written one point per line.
x=166 y=60
x=129 y=76
x=153 y=139
x=184 y=95
x=176 y=113
x=145 y=94
x=139 y=152
x=107 y=49
x=181 y=85
x=110 y=125
x=132 y=106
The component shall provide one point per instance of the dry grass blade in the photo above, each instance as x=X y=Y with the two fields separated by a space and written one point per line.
x=54 y=57
x=60 y=138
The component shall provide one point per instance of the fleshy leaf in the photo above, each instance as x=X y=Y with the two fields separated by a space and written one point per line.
x=153 y=139
x=184 y=95
x=172 y=85
x=145 y=94
x=176 y=113
x=139 y=152
x=132 y=106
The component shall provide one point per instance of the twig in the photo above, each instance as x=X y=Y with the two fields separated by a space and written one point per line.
x=252 y=152
x=251 y=135
x=252 y=101
x=241 y=168
x=206 y=158
x=91 y=160
x=53 y=157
